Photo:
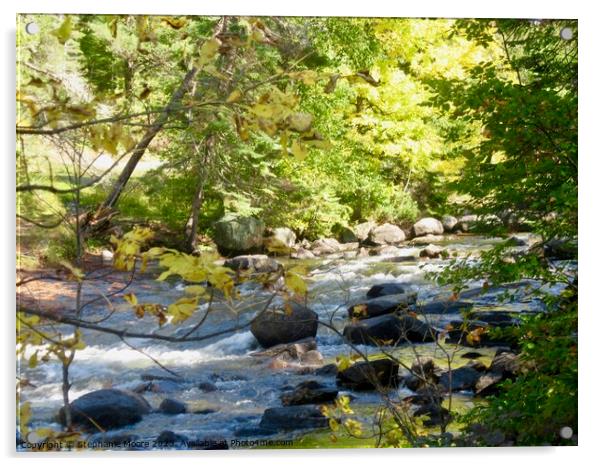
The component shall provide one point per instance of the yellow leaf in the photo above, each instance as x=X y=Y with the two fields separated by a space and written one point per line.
x=44 y=432
x=182 y=309
x=33 y=360
x=298 y=150
x=284 y=142
x=63 y=32
x=308 y=77
x=208 y=51
x=295 y=283
x=220 y=278
x=131 y=299
x=24 y=417
x=319 y=144
x=257 y=35
x=234 y=97
x=174 y=22
x=334 y=425
x=196 y=290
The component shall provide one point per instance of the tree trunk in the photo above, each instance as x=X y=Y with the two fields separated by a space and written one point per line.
x=141 y=147
x=193 y=220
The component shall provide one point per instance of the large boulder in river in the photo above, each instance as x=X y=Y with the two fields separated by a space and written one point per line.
x=466 y=223
x=347 y=235
x=362 y=230
x=281 y=240
x=278 y=326
x=107 y=409
x=171 y=406
x=293 y=418
x=383 y=305
x=309 y=392
x=386 y=234
x=432 y=251
x=449 y=223
x=238 y=235
x=389 y=329
x=560 y=249
x=427 y=226
x=384 y=289
x=443 y=307
x=368 y=375
x=462 y=378
x=256 y=263
x=302 y=254
x=324 y=246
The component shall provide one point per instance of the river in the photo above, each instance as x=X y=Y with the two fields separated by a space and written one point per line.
x=244 y=385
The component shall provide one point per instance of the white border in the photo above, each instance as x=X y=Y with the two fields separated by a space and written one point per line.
x=590 y=28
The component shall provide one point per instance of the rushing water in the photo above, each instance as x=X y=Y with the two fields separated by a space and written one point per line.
x=246 y=385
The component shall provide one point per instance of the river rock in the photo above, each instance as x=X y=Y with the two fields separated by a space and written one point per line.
x=432 y=251
x=389 y=328
x=347 y=235
x=309 y=392
x=435 y=414
x=362 y=231
x=107 y=408
x=349 y=247
x=281 y=240
x=488 y=384
x=427 y=226
x=159 y=386
x=462 y=378
x=516 y=240
x=505 y=363
x=443 y=307
x=387 y=250
x=278 y=326
x=384 y=289
x=449 y=223
x=369 y=375
x=323 y=246
x=327 y=370
x=312 y=358
x=151 y=376
x=466 y=332
x=291 y=350
x=106 y=256
x=170 y=406
x=256 y=263
x=207 y=387
x=424 y=367
x=560 y=249
x=386 y=234
x=293 y=418
x=427 y=239
x=425 y=396
x=238 y=235
x=466 y=223
x=383 y=305
x=424 y=374
x=495 y=318
x=302 y=253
